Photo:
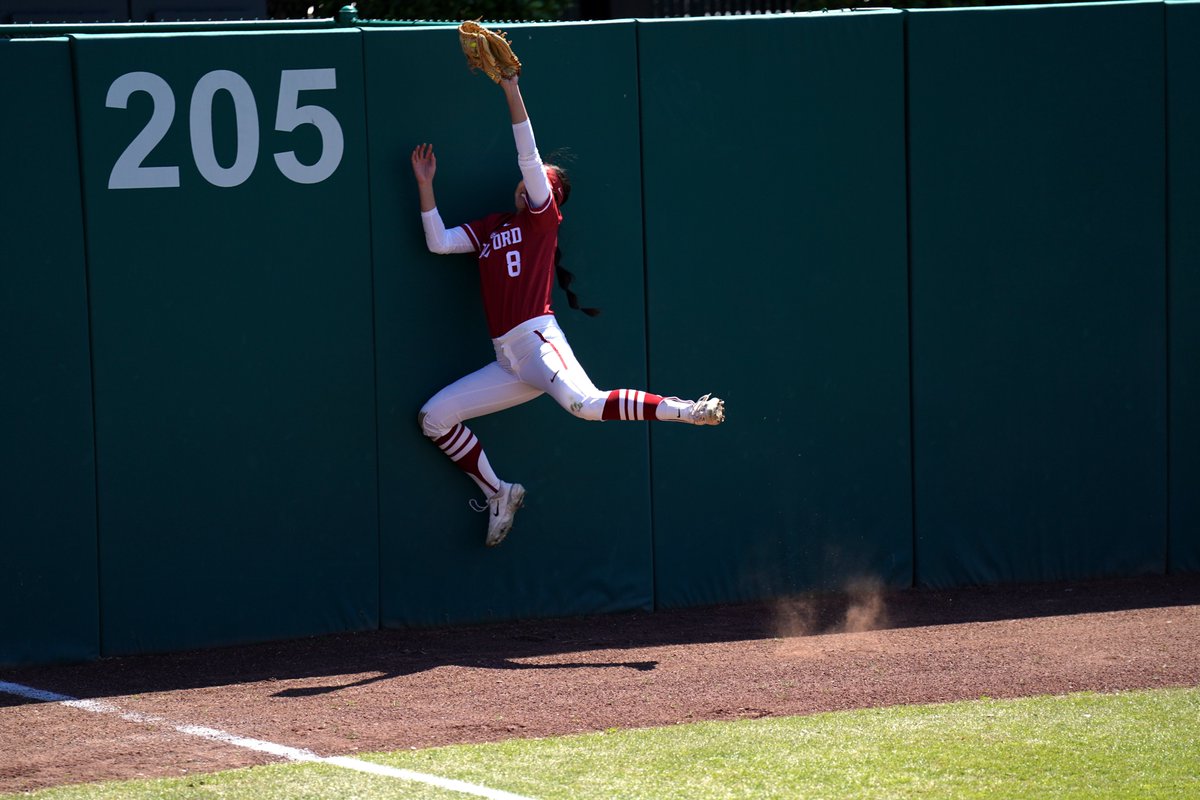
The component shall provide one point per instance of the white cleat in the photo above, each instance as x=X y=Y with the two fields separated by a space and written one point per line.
x=502 y=507
x=708 y=410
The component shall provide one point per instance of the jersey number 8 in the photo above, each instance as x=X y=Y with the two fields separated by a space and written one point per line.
x=514 y=262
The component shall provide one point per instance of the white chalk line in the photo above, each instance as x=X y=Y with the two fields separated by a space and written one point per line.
x=258 y=745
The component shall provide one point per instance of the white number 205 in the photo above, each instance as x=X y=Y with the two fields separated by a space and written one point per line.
x=129 y=173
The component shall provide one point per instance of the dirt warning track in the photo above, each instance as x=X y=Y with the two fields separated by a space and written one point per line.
x=385 y=690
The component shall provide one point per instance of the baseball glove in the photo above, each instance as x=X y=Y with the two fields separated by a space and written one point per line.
x=489 y=51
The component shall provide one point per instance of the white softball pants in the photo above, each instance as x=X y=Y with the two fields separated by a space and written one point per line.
x=532 y=359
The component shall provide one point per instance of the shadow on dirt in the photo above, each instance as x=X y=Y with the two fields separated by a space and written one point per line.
x=313 y=691
x=357 y=659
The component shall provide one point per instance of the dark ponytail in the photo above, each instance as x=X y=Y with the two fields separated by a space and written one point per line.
x=561 y=186
x=565 y=277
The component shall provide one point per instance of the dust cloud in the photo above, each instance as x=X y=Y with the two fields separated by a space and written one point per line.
x=859 y=607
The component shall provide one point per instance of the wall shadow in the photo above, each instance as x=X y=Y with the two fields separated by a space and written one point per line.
x=600 y=642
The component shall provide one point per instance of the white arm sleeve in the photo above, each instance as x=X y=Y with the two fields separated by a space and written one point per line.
x=537 y=185
x=440 y=240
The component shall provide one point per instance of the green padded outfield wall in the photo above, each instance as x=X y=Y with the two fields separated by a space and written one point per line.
x=1183 y=134
x=265 y=321
x=1037 y=223
x=582 y=544
x=775 y=241
x=48 y=597
x=228 y=246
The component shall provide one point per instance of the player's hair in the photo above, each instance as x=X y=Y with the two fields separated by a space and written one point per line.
x=565 y=276
x=558 y=175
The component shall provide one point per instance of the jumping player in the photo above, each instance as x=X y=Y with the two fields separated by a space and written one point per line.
x=517 y=260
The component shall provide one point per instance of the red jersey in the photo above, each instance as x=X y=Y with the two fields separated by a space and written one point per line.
x=516 y=264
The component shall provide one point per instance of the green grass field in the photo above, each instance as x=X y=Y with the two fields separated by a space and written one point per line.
x=1130 y=745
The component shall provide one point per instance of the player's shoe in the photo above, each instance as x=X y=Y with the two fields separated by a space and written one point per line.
x=708 y=410
x=502 y=507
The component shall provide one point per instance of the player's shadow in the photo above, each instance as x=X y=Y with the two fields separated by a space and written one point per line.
x=313 y=691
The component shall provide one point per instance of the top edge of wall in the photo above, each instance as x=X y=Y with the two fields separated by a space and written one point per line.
x=840 y=12
x=51 y=30
x=1047 y=6
x=139 y=28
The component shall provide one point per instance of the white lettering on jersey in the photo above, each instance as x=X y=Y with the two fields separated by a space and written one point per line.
x=506 y=238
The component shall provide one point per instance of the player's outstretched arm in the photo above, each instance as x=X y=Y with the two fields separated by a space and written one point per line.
x=516 y=103
x=437 y=238
x=424 y=166
x=537 y=185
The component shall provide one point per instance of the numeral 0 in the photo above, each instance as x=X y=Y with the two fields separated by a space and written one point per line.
x=200 y=119
x=129 y=173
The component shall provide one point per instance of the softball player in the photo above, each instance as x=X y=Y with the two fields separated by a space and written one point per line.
x=517 y=251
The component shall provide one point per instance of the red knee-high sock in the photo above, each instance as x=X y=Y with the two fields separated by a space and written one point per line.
x=630 y=404
x=465 y=450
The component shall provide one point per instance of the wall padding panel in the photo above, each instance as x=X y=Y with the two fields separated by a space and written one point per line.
x=582 y=543
x=1038 y=298
x=231 y=298
x=48 y=597
x=776 y=271
x=1183 y=133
